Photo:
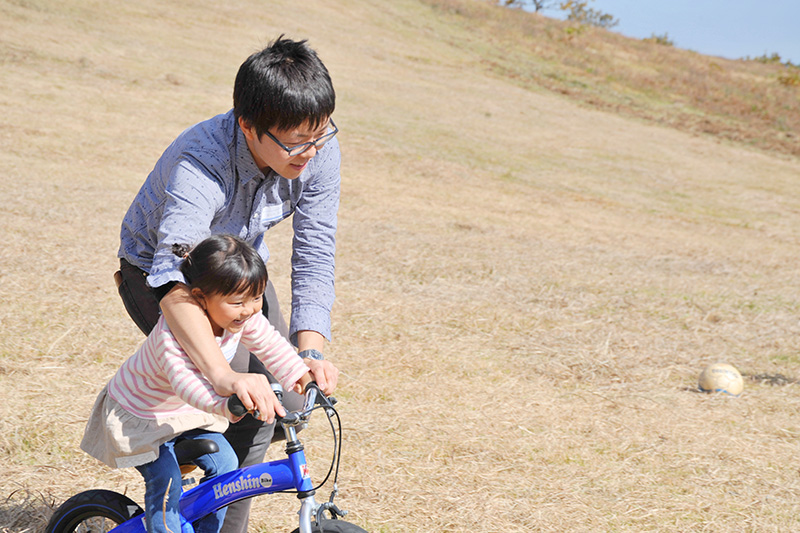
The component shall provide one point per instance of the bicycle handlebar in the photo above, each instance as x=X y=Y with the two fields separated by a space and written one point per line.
x=313 y=396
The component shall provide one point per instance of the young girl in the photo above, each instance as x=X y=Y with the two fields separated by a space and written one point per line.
x=158 y=395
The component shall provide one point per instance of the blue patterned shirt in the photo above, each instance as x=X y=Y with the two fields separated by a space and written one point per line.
x=206 y=182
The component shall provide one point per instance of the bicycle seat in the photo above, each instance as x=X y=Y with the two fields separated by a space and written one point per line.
x=187 y=450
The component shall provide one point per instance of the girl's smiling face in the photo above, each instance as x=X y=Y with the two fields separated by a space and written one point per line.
x=229 y=312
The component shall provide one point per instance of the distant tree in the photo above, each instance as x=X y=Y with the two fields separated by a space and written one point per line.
x=577 y=10
x=660 y=39
x=537 y=5
x=774 y=58
x=582 y=14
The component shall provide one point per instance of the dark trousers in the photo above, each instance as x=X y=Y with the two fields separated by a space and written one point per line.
x=249 y=437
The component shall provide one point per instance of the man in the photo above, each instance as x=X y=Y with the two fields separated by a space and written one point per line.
x=274 y=155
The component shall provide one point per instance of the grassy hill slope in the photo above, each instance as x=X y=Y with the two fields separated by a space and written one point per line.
x=528 y=286
x=754 y=102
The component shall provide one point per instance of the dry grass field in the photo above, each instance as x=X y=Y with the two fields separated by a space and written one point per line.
x=529 y=282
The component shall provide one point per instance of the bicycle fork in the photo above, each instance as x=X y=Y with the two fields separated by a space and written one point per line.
x=305 y=489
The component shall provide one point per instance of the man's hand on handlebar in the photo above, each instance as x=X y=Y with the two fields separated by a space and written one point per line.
x=323 y=372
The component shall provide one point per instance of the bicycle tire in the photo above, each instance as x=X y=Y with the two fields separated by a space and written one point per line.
x=92 y=511
x=335 y=526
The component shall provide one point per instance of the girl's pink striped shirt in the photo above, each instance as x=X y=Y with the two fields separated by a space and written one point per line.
x=160 y=380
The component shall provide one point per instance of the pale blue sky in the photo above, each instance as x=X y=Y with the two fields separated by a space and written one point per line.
x=727 y=28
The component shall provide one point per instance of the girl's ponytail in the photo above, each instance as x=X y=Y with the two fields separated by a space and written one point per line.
x=222 y=264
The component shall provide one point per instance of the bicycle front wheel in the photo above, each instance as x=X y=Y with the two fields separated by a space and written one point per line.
x=334 y=526
x=95 y=511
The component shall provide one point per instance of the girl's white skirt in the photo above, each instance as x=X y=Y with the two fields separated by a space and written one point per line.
x=120 y=439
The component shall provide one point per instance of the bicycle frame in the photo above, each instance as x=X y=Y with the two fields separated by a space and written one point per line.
x=291 y=473
x=220 y=491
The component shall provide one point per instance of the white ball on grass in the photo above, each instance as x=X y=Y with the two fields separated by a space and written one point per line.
x=721 y=377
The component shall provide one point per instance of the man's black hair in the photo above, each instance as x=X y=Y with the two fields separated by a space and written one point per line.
x=283 y=86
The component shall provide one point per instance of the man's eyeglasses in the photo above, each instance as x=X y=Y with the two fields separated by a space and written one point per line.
x=300 y=148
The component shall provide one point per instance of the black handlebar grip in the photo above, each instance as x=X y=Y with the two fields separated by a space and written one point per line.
x=321 y=398
x=235 y=406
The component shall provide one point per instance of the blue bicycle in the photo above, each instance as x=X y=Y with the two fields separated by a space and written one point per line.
x=98 y=511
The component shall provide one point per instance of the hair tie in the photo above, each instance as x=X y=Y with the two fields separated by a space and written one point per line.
x=181 y=250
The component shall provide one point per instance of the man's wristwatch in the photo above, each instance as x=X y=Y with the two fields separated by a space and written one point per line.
x=311 y=354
